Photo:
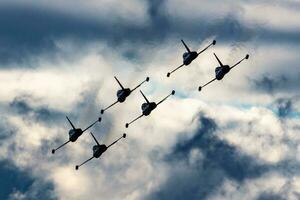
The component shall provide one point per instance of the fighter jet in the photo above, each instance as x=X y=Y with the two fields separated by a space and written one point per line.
x=222 y=70
x=75 y=133
x=189 y=56
x=123 y=93
x=148 y=107
x=99 y=149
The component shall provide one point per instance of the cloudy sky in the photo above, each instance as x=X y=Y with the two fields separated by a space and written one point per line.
x=237 y=139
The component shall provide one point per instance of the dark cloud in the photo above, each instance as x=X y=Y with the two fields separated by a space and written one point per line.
x=269 y=84
x=278 y=82
x=30 y=32
x=22 y=107
x=12 y=180
x=270 y=196
x=199 y=180
x=284 y=107
x=5 y=130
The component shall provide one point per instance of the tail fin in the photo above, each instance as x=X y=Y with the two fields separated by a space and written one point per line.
x=119 y=83
x=187 y=48
x=95 y=139
x=70 y=122
x=218 y=60
x=144 y=96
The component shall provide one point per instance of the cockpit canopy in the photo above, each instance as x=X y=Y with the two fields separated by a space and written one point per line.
x=144 y=106
x=185 y=54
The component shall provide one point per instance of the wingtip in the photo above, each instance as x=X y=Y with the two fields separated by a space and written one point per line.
x=199 y=88
x=247 y=56
x=214 y=42
x=168 y=74
x=126 y=125
x=53 y=151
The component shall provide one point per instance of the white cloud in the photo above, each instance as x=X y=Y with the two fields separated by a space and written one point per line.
x=274 y=16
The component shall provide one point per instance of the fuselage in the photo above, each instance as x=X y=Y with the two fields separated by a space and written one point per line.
x=221 y=71
x=123 y=94
x=74 y=134
x=188 y=57
x=148 y=107
x=98 y=150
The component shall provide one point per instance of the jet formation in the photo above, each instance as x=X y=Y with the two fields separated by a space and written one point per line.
x=148 y=106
